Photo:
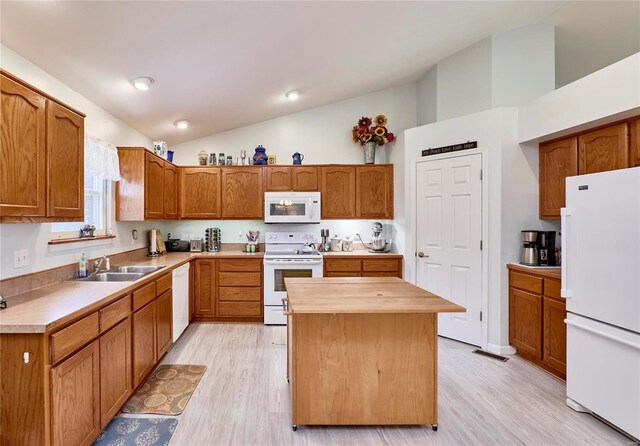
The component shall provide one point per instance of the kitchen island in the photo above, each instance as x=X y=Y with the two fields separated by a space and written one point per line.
x=362 y=351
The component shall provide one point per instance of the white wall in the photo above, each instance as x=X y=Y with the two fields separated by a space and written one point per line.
x=34 y=237
x=427 y=97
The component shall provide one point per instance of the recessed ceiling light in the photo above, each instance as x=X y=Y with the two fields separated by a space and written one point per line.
x=183 y=124
x=143 y=83
x=293 y=95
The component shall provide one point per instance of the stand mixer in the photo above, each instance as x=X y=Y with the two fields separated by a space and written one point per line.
x=378 y=242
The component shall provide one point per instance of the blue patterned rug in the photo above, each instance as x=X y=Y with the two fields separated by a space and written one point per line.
x=125 y=431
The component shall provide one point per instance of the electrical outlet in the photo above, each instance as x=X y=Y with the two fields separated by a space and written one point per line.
x=20 y=258
x=240 y=236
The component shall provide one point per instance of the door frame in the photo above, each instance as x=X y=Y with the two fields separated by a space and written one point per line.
x=484 y=261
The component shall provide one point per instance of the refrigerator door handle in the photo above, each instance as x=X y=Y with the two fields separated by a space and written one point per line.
x=602 y=334
x=566 y=290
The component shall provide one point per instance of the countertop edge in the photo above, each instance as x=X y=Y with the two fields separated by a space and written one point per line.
x=534 y=271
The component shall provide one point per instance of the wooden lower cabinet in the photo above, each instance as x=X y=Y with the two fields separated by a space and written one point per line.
x=145 y=352
x=115 y=370
x=164 y=323
x=75 y=398
x=536 y=320
x=205 y=288
x=365 y=265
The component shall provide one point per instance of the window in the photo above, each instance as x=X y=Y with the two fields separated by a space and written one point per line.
x=96 y=197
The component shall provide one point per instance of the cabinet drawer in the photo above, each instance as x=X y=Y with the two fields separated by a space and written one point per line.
x=240 y=309
x=114 y=313
x=526 y=282
x=142 y=296
x=342 y=274
x=240 y=293
x=239 y=279
x=380 y=274
x=380 y=265
x=163 y=284
x=240 y=265
x=343 y=265
x=76 y=335
x=552 y=288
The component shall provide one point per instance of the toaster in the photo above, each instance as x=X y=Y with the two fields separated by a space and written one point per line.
x=196 y=245
x=177 y=245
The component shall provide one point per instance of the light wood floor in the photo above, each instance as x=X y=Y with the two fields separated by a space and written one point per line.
x=243 y=399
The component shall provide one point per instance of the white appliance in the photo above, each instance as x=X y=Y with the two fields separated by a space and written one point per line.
x=601 y=284
x=287 y=254
x=292 y=207
x=180 y=290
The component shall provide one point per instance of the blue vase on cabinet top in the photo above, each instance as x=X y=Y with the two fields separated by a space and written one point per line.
x=297 y=158
x=260 y=157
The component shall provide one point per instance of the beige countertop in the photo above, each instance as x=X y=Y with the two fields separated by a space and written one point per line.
x=361 y=253
x=553 y=272
x=47 y=308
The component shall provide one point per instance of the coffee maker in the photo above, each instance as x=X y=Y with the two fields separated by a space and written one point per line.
x=529 y=255
x=546 y=244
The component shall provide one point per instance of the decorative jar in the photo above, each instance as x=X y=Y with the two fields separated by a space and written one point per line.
x=260 y=157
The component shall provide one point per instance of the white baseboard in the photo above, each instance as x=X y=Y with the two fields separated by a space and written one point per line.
x=501 y=349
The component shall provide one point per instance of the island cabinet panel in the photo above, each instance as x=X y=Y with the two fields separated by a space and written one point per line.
x=374 y=192
x=279 y=179
x=200 y=192
x=305 y=178
x=338 y=189
x=604 y=149
x=242 y=192
x=153 y=187
x=65 y=162
x=115 y=370
x=525 y=316
x=22 y=152
x=634 y=141
x=555 y=333
x=145 y=353
x=170 y=192
x=205 y=288
x=164 y=323
x=75 y=398
x=557 y=161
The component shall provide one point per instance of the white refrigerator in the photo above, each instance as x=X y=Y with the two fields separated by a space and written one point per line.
x=601 y=284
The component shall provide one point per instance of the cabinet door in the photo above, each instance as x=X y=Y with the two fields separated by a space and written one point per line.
x=170 y=191
x=305 y=178
x=75 y=398
x=144 y=342
x=555 y=334
x=525 y=321
x=279 y=179
x=22 y=151
x=65 y=162
x=164 y=323
x=557 y=161
x=200 y=192
x=338 y=189
x=205 y=288
x=115 y=370
x=604 y=149
x=242 y=192
x=634 y=141
x=374 y=192
x=153 y=187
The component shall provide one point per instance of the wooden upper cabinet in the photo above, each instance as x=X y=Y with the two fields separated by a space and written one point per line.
x=170 y=191
x=242 y=192
x=200 y=192
x=154 y=187
x=374 y=192
x=634 y=141
x=65 y=162
x=22 y=151
x=557 y=160
x=279 y=179
x=604 y=149
x=305 y=178
x=338 y=189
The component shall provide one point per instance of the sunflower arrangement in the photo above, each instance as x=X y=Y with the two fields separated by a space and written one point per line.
x=369 y=130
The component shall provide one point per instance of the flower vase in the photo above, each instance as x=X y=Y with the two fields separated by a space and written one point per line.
x=369 y=152
x=382 y=154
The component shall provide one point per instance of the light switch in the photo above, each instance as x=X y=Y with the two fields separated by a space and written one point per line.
x=20 y=258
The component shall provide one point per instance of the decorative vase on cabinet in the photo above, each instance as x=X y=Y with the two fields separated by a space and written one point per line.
x=260 y=157
x=369 y=152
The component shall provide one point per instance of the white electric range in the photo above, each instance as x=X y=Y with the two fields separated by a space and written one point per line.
x=287 y=254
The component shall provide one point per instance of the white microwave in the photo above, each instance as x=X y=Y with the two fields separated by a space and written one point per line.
x=292 y=207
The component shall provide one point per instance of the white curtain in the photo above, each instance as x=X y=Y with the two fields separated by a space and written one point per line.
x=101 y=159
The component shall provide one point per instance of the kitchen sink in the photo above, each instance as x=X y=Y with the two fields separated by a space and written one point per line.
x=121 y=274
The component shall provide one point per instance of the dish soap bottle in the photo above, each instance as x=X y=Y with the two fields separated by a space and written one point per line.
x=83 y=271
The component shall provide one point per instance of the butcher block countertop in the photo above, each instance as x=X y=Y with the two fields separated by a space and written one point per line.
x=362 y=295
x=45 y=309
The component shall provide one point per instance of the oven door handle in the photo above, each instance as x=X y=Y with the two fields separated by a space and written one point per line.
x=275 y=262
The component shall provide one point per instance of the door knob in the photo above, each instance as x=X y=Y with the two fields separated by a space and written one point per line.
x=422 y=254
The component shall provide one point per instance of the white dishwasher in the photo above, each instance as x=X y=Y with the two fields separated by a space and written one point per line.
x=180 y=289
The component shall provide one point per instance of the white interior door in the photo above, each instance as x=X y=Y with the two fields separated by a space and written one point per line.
x=449 y=231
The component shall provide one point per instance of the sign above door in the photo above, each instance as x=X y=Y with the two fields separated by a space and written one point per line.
x=446 y=149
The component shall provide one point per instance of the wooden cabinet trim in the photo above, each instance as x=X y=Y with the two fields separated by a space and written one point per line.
x=164 y=283
x=634 y=142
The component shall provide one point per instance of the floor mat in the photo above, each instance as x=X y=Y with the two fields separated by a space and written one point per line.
x=125 y=431
x=166 y=390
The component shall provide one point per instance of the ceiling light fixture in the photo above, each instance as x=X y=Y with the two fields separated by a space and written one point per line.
x=293 y=95
x=143 y=83
x=183 y=124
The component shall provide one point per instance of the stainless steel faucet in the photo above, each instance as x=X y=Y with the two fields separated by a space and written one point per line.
x=98 y=263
